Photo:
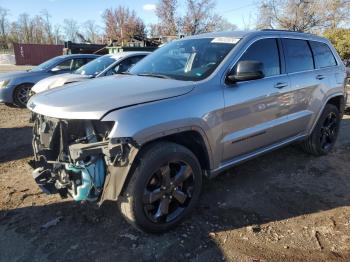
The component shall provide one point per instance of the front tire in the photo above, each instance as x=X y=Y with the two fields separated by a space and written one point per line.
x=163 y=189
x=21 y=95
x=324 y=135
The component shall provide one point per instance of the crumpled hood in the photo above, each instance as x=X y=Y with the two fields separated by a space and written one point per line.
x=93 y=99
x=57 y=81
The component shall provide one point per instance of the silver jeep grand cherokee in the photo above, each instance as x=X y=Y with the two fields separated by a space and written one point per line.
x=195 y=107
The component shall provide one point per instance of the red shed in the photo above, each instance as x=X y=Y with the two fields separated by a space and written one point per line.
x=35 y=54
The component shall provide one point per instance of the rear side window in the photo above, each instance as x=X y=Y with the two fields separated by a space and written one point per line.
x=78 y=62
x=266 y=52
x=65 y=65
x=322 y=54
x=298 y=55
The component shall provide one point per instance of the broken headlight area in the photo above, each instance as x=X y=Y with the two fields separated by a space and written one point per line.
x=71 y=157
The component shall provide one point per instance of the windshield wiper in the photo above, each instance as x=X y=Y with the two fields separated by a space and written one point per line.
x=154 y=75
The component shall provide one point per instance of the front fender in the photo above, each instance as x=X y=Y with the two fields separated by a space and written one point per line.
x=147 y=122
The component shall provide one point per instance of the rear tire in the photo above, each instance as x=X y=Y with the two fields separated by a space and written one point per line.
x=163 y=188
x=324 y=135
x=21 y=95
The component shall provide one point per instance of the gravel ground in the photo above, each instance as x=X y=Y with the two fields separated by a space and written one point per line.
x=286 y=206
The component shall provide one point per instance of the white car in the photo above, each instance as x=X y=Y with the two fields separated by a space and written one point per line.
x=105 y=65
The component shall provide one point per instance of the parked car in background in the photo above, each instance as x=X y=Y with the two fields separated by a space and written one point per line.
x=103 y=66
x=15 y=87
x=195 y=107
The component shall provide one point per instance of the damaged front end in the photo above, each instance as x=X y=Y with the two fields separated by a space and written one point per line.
x=76 y=157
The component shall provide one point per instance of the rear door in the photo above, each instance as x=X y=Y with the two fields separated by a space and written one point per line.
x=305 y=83
x=256 y=110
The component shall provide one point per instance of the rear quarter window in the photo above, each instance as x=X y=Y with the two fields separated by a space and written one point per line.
x=322 y=54
x=298 y=55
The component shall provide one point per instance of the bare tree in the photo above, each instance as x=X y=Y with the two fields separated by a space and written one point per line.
x=91 y=31
x=3 y=27
x=57 y=34
x=25 y=27
x=122 y=24
x=221 y=24
x=166 y=12
x=47 y=26
x=200 y=18
x=38 y=30
x=303 y=15
x=265 y=16
x=154 y=30
x=70 y=29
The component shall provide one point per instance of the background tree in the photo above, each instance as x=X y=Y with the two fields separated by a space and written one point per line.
x=200 y=18
x=25 y=27
x=91 y=31
x=4 y=24
x=70 y=29
x=302 y=15
x=340 y=38
x=57 y=34
x=168 y=22
x=47 y=26
x=122 y=24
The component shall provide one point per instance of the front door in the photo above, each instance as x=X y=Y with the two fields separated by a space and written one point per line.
x=256 y=111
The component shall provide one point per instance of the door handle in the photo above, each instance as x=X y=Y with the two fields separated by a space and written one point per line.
x=320 y=77
x=281 y=85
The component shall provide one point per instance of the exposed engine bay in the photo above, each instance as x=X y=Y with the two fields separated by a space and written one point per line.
x=75 y=157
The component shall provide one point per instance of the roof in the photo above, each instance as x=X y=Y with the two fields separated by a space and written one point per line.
x=126 y=54
x=79 y=56
x=265 y=32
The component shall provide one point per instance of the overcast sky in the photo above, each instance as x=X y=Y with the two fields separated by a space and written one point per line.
x=237 y=12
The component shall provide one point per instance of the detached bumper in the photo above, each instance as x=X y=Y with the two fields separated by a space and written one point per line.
x=6 y=94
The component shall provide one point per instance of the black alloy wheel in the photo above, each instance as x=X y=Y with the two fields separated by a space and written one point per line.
x=329 y=131
x=163 y=187
x=168 y=192
x=325 y=132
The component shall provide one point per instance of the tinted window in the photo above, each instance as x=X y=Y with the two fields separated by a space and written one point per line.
x=48 y=64
x=77 y=63
x=124 y=65
x=65 y=65
x=323 y=55
x=298 y=55
x=187 y=59
x=96 y=66
x=265 y=51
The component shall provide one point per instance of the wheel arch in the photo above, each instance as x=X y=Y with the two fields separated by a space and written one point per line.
x=193 y=139
x=336 y=99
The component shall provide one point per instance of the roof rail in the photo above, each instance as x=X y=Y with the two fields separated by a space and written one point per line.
x=281 y=30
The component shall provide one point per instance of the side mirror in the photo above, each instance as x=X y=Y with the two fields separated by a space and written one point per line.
x=246 y=70
x=55 y=69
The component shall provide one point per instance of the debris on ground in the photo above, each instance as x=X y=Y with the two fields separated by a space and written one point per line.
x=51 y=223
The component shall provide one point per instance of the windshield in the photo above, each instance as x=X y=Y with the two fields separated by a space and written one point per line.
x=96 y=66
x=190 y=60
x=48 y=64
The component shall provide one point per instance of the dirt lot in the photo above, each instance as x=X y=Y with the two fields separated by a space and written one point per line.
x=283 y=206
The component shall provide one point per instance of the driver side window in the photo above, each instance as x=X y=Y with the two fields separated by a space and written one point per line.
x=266 y=52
